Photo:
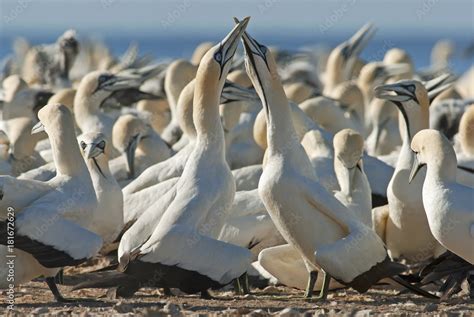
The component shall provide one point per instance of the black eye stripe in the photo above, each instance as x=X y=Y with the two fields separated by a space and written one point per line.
x=101 y=145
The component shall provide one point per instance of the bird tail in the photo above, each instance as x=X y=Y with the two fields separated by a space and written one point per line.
x=381 y=270
x=106 y=280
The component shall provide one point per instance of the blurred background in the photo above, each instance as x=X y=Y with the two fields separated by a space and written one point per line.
x=168 y=28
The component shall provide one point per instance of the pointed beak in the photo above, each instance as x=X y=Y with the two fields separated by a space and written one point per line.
x=393 y=92
x=355 y=45
x=234 y=92
x=231 y=41
x=92 y=151
x=414 y=169
x=37 y=128
x=438 y=81
x=118 y=82
x=252 y=47
x=432 y=94
x=130 y=155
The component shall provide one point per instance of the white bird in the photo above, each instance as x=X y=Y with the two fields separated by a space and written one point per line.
x=449 y=205
x=107 y=221
x=50 y=64
x=51 y=218
x=22 y=155
x=141 y=146
x=204 y=194
x=94 y=90
x=354 y=191
x=343 y=247
x=341 y=61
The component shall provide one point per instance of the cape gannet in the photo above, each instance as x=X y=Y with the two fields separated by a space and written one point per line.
x=50 y=64
x=354 y=190
x=108 y=220
x=22 y=155
x=194 y=217
x=341 y=61
x=141 y=146
x=448 y=205
x=95 y=88
x=51 y=218
x=300 y=206
x=178 y=75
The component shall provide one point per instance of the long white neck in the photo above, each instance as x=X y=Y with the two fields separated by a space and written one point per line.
x=209 y=131
x=66 y=154
x=281 y=133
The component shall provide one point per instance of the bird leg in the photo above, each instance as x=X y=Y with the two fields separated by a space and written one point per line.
x=325 y=287
x=244 y=283
x=59 y=278
x=237 y=287
x=313 y=276
x=54 y=289
x=206 y=295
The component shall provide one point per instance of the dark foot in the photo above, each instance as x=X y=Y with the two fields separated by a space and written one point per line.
x=167 y=291
x=206 y=295
x=59 y=298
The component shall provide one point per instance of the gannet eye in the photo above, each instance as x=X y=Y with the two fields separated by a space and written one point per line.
x=83 y=145
x=218 y=56
x=101 y=145
x=411 y=88
x=263 y=48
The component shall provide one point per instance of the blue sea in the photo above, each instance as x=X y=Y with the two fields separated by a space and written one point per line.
x=177 y=45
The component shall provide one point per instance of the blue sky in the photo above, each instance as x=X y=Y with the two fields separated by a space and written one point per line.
x=214 y=16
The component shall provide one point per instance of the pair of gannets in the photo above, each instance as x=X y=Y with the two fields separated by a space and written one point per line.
x=140 y=193
x=202 y=198
x=312 y=220
x=405 y=209
x=52 y=219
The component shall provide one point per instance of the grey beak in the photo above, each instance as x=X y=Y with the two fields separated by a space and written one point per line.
x=130 y=155
x=414 y=169
x=37 y=128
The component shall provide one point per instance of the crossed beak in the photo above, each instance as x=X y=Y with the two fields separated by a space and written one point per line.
x=234 y=92
x=231 y=41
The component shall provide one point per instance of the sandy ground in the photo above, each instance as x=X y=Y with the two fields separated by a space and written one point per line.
x=35 y=298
